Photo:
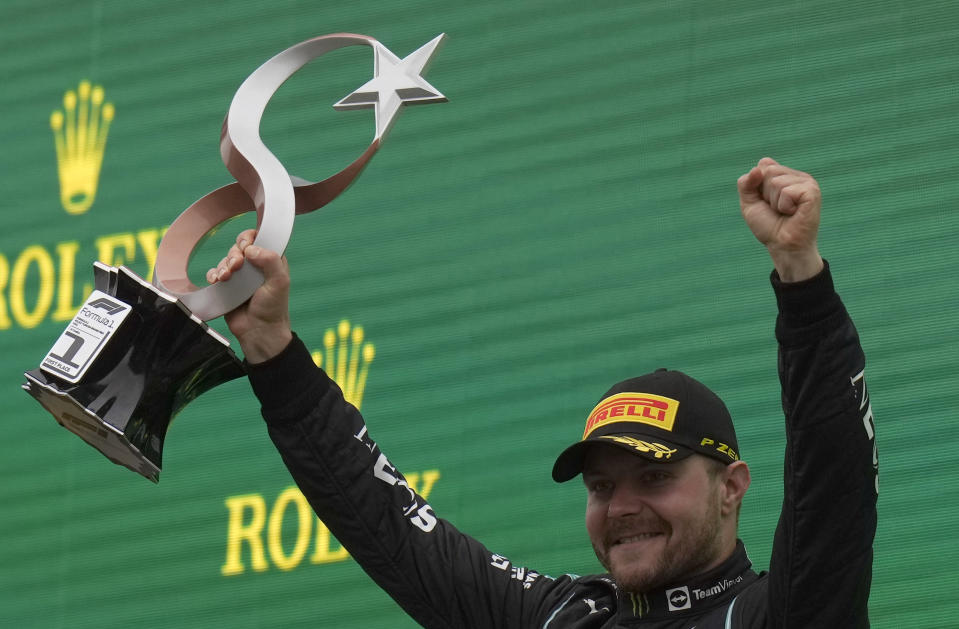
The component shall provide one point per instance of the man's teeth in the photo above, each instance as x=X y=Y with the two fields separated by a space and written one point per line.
x=636 y=538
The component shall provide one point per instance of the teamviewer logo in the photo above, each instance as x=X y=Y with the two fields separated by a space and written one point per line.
x=678 y=599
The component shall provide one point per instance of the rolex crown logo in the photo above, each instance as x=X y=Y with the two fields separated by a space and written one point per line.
x=80 y=134
x=346 y=359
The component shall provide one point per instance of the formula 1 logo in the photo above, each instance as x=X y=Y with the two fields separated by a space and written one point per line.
x=109 y=305
x=678 y=599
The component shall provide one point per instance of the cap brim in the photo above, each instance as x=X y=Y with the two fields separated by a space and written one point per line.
x=569 y=463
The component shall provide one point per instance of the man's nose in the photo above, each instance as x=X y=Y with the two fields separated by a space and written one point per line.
x=626 y=500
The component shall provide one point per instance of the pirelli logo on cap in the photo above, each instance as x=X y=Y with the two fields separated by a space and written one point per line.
x=642 y=408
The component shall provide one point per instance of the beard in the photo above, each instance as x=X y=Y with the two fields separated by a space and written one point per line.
x=676 y=558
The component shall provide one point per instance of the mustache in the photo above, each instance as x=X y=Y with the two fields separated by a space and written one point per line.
x=629 y=526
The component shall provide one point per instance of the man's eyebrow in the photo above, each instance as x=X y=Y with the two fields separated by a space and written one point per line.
x=589 y=475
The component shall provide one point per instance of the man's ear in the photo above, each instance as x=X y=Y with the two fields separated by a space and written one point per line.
x=735 y=480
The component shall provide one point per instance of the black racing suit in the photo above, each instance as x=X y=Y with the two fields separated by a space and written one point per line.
x=819 y=573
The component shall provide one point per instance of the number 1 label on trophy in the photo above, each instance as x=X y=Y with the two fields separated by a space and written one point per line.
x=85 y=336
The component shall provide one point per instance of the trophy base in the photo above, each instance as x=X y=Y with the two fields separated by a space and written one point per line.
x=106 y=438
x=129 y=361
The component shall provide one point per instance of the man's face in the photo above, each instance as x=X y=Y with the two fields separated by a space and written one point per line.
x=653 y=524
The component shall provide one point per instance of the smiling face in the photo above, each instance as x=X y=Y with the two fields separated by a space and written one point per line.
x=656 y=524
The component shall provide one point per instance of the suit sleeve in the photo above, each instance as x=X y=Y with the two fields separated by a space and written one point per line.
x=440 y=576
x=821 y=566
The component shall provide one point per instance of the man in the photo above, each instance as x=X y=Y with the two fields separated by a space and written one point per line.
x=659 y=457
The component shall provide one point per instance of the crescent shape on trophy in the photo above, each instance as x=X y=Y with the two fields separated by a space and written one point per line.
x=263 y=184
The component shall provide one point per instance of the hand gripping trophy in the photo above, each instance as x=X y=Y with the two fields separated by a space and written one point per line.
x=135 y=354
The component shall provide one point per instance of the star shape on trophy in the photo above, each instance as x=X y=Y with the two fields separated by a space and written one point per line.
x=395 y=82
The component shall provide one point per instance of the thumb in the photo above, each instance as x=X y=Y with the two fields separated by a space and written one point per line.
x=274 y=266
x=270 y=262
x=750 y=186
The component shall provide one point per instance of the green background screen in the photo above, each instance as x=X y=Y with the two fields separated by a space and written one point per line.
x=569 y=219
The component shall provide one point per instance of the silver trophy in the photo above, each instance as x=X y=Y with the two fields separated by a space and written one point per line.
x=136 y=353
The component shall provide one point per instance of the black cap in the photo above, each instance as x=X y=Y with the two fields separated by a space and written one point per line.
x=662 y=416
